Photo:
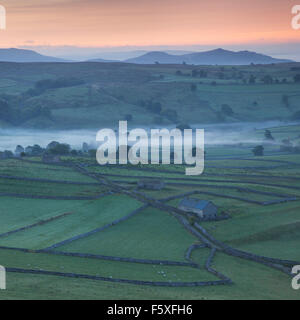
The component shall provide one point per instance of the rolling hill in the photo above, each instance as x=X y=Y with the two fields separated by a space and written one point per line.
x=93 y=94
x=213 y=57
x=21 y=55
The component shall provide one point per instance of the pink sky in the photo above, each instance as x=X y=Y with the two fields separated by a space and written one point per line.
x=102 y=23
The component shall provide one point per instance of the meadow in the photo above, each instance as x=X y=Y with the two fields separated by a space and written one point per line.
x=75 y=230
x=56 y=248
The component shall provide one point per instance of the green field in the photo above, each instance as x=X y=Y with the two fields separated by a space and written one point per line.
x=84 y=220
x=271 y=231
x=151 y=234
x=109 y=92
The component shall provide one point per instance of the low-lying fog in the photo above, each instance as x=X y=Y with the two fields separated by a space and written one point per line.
x=215 y=134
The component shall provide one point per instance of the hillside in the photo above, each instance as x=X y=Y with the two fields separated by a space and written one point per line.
x=20 y=55
x=90 y=94
x=213 y=57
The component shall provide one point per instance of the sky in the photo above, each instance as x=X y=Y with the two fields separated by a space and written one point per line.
x=66 y=27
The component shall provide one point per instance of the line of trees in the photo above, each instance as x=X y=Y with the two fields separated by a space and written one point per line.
x=43 y=85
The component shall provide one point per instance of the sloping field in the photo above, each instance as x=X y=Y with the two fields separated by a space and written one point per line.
x=109 y=269
x=257 y=221
x=19 y=168
x=17 y=212
x=84 y=218
x=48 y=189
x=280 y=242
x=151 y=234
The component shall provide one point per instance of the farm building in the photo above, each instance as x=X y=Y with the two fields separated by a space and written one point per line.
x=202 y=208
x=151 y=184
x=19 y=150
x=51 y=158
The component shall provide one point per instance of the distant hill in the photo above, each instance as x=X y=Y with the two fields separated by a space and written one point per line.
x=21 y=55
x=213 y=57
x=102 y=60
x=118 y=56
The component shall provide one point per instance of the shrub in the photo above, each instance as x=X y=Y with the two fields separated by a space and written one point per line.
x=258 y=150
x=227 y=110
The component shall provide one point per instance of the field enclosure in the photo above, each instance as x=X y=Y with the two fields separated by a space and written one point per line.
x=68 y=226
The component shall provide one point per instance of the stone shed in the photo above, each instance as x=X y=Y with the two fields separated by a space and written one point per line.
x=50 y=158
x=204 y=209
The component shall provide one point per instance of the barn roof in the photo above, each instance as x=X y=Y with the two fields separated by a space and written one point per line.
x=194 y=203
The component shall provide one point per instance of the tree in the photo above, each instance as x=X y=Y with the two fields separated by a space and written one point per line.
x=37 y=150
x=60 y=149
x=19 y=150
x=268 y=135
x=52 y=144
x=258 y=150
x=227 y=110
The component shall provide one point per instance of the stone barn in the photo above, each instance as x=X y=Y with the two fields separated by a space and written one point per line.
x=50 y=158
x=202 y=208
x=151 y=184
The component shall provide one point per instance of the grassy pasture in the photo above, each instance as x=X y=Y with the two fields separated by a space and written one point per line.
x=151 y=234
x=19 y=168
x=84 y=218
x=265 y=283
x=256 y=220
x=272 y=231
x=109 y=269
x=17 y=212
x=48 y=189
